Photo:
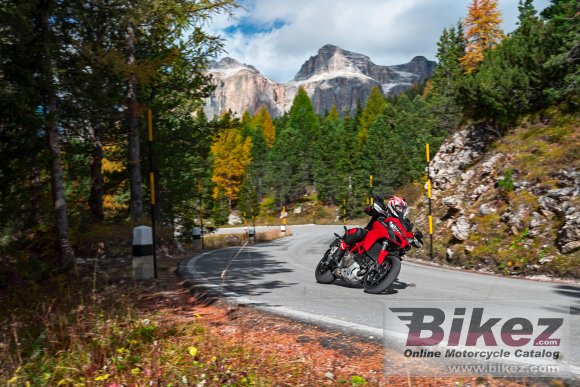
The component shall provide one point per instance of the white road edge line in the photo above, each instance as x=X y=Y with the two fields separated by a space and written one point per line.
x=303 y=316
x=280 y=310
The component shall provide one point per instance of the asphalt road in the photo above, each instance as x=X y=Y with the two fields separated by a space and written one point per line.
x=279 y=276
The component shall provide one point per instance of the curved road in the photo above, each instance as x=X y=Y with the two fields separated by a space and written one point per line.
x=279 y=276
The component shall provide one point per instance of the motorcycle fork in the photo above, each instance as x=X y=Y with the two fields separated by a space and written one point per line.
x=383 y=253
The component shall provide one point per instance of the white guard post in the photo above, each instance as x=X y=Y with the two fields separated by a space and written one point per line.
x=143 y=267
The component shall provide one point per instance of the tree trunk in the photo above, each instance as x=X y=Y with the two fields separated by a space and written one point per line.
x=96 y=195
x=48 y=93
x=136 y=204
x=57 y=180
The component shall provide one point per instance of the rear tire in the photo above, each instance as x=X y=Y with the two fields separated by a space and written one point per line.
x=377 y=280
x=323 y=273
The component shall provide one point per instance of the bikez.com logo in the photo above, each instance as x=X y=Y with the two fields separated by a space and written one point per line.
x=426 y=329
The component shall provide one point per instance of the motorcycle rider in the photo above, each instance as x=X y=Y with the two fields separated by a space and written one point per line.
x=396 y=208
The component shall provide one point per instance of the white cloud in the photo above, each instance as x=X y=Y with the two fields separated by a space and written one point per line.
x=388 y=31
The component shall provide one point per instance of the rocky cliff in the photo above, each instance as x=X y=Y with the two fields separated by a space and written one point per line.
x=241 y=88
x=332 y=77
x=509 y=205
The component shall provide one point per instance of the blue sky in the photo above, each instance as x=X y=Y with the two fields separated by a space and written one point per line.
x=277 y=36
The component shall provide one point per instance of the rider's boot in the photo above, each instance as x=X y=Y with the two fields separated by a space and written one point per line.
x=340 y=252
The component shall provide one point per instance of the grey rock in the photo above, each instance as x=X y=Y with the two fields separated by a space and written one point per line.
x=569 y=234
x=487 y=167
x=486 y=209
x=570 y=247
x=516 y=218
x=549 y=204
x=536 y=220
x=559 y=193
x=547 y=214
x=468 y=249
x=480 y=189
x=449 y=254
x=453 y=202
x=461 y=228
x=466 y=176
x=546 y=259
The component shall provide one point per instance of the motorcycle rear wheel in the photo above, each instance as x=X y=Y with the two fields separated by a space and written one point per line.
x=379 y=279
x=323 y=273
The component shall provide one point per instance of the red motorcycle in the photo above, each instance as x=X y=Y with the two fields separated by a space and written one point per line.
x=376 y=260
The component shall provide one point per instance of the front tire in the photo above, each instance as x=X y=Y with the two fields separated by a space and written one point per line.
x=323 y=273
x=378 y=279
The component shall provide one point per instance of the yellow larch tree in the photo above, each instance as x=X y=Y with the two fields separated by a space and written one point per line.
x=232 y=155
x=263 y=121
x=482 y=32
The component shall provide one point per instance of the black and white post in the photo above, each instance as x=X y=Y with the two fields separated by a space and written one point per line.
x=143 y=262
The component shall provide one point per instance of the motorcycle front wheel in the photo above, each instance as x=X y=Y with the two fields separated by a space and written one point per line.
x=323 y=273
x=380 y=278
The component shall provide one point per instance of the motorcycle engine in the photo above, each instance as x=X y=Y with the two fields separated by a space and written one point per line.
x=348 y=269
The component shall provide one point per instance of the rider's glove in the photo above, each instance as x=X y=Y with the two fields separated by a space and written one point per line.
x=419 y=236
x=417 y=240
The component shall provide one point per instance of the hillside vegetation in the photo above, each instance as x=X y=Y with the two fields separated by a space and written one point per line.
x=509 y=205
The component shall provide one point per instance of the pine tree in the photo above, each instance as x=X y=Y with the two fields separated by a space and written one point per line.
x=329 y=154
x=263 y=122
x=293 y=152
x=482 y=33
x=562 y=42
x=373 y=108
x=447 y=80
x=510 y=81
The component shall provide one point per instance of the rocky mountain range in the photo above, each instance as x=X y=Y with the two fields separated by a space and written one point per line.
x=331 y=77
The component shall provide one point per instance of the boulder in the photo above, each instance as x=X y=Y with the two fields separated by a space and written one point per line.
x=559 y=194
x=454 y=206
x=480 y=189
x=549 y=204
x=569 y=234
x=486 y=209
x=460 y=229
x=487 y=167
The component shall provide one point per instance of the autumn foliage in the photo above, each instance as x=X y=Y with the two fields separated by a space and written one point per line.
x=231 y=154
x=482 y=32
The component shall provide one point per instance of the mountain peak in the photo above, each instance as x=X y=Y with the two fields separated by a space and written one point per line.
x=328 y=48
x=332 y=59
x=228 y=63
x=331 y=77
